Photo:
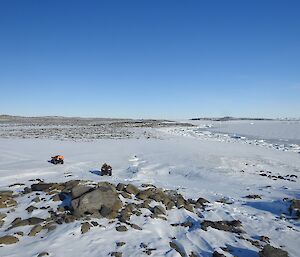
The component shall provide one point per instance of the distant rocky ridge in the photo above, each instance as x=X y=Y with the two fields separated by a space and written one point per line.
x=229 y=118
x=76 y=128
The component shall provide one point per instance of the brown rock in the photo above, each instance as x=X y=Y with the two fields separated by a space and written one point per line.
x=136 y=227
x=8 y=240
x=120 y=187
x=41 y=186
x=131 y=189
x=6 y=199
x=19 y=233
x=36 y=229
x=126 y=195
x=158 y=210
x=85 y=227
x=31 y=208
x=121 y=228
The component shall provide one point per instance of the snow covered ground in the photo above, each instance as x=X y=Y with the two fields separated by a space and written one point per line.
x=201 y=161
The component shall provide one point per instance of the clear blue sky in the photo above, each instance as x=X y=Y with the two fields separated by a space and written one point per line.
x=160 y=59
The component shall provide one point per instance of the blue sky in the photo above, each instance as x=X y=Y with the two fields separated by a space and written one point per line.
x=150 y=59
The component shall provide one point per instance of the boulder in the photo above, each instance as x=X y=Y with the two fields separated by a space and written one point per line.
x=31 y=208
x=41 y=186
x=36 y=229
x=230 y=226
x=135 y=226
x=126 y=195
x=158 y=210
x=131 y=189
x=7 y=240
x=145 y=194
x=121 y=228
x=18 y=222
x=2 y=216
x=85 y=227
x=80 y=190
x=36 y=199
x=104 y=197
x=295 y=206
x=121 y=187
x=70 y=184
x=6 y=199
x=201 y=202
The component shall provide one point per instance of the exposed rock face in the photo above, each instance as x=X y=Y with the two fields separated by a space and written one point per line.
x=270 y=251
x=7 y=240
x=103 y=201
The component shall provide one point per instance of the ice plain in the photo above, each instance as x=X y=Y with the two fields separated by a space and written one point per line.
x=221 y=162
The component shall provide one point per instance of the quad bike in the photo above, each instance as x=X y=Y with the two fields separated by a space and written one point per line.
x=106 y=170
x=57 y=159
